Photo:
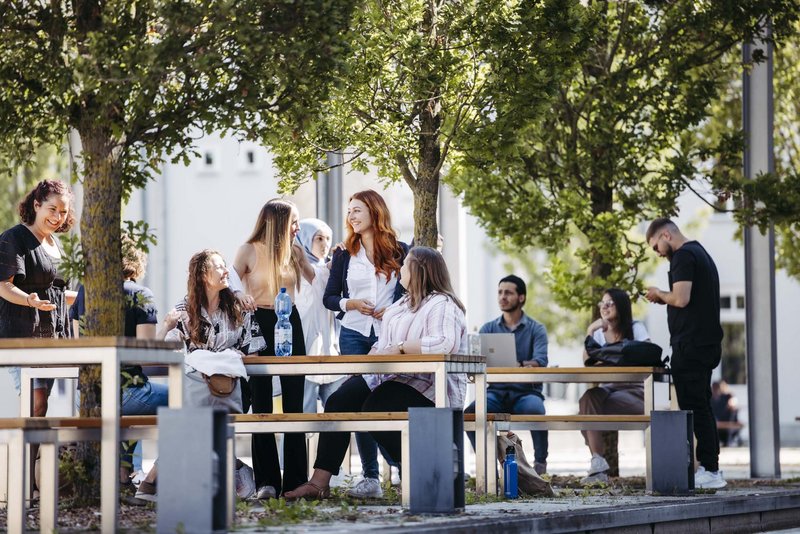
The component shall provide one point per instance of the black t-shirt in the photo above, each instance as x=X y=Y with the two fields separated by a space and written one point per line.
x=24 y=260
x=140 y=308
x=698 y=322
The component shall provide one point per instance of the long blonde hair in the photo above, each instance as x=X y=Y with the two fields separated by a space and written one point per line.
x=428 y=274
x=273 y=231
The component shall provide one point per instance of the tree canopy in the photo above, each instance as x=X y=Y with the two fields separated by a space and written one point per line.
x=616 y=148
x=422 y=76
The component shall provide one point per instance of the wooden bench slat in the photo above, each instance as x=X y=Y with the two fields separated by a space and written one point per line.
x=580 y=418
x=605 y=370
x=39 y=423
x=344 y=416
x=351 y=358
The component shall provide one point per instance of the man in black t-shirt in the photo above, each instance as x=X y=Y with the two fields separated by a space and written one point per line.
x=695 y=335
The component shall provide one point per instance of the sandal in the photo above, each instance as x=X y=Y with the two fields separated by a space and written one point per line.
x=313 y=492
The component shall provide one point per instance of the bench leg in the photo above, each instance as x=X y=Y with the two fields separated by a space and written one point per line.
x=405 y=466
x=17 y=451
x=48 y=503
x=648 y=479
x=482 y=456
x=3 y=475
x=491 y=458
x=230 y=485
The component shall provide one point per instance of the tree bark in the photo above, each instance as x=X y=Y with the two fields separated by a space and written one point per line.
x=100 y=240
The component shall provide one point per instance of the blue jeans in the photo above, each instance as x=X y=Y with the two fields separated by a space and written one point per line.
x=516 y=402
x=352 y=342
x=140 y=401
x=314 y=391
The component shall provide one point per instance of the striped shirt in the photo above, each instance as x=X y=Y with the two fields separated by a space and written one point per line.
x=441 y=328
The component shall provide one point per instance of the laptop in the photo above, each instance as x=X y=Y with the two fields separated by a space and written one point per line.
x=500 y=350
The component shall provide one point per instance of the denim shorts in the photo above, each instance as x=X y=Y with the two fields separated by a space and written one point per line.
x=38 y=383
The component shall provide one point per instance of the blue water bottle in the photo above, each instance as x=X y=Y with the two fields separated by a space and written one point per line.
x=510 y=489
x=283 y=328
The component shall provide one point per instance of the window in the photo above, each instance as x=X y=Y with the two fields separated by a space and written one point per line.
x=734 y=347
x=725 y=303
x=740 y=302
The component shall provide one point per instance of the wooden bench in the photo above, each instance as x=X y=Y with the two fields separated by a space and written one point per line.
x=49 y=433
x=333 y=422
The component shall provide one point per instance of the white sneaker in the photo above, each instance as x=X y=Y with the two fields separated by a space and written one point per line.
x=708 y=479
x=137 y=477
x=264 y=493
x=367 y=488
x=395 y=476
x=245 y=482
x=598 y=465
x=340 y=479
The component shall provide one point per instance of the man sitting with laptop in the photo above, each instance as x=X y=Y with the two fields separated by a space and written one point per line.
x=530 y=350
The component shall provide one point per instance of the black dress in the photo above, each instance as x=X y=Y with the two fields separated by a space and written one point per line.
x=34 y=271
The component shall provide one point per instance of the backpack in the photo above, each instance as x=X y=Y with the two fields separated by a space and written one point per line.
x=624 y=353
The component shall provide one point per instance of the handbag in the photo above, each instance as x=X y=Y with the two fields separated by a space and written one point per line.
x=220 y=385
x=624 y=353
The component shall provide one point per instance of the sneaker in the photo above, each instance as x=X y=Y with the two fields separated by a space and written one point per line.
x=245 y=483
x=137 y=477
x=596 y=478
x=540 y=468
x=340 y=479
x=264 y=493
x=708 y=479
x=395 y=476
x=367 y=488
x=146 y=492
x=598 y=465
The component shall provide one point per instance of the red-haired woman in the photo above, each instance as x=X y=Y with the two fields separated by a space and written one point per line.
x=363 y=282
x=33 y=295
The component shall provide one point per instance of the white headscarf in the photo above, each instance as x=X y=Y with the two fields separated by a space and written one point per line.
x=308 y=229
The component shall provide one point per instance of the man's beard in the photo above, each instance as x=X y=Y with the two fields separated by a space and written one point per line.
x=670 y=252
x=511 y=308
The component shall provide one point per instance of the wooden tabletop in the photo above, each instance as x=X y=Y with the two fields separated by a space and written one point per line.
x=100 y=341
x=362 y=358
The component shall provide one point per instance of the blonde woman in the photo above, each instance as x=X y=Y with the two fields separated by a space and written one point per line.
x=267 y=262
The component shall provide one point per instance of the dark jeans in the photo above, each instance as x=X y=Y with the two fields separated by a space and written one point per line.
x=516 y=402
x=691 y=372
x=355 y=396
x=693 y=390
x=265 y=451
x=352 y=342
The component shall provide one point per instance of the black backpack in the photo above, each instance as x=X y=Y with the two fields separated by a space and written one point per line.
x=624 y=353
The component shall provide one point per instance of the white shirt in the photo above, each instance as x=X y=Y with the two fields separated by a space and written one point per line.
x=639 y=334
x=364 y=283
x=441 y=327
x=317 y=320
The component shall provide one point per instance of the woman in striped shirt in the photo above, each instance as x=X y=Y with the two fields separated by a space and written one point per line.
x=428 y=319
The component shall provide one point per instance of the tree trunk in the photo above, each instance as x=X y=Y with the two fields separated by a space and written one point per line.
x=602 y=198
x=100 y=240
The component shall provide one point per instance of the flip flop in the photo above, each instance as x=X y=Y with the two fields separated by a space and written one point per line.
x=320 y=493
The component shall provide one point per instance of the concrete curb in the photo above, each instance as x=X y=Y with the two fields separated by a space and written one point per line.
x=757 y=512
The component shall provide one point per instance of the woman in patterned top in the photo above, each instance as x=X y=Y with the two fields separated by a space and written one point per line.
x=216 y=332
x=429 y=319
x=33 y=294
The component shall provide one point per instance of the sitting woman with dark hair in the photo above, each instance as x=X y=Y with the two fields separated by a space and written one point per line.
x=216 y=332
x=428 y=319
x=615 y=324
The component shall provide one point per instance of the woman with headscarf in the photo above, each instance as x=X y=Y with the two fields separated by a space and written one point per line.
x=315 y=238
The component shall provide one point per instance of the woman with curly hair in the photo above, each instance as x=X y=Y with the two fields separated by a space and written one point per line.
x=362 y=284
x=34 y=298
x=216 y=332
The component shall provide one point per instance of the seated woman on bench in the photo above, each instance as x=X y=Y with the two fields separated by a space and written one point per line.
x=428 y=319
x=615 y=324
x=215 y=332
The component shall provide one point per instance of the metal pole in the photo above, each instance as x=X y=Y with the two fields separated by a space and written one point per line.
x=759 y=250
x=329 y=195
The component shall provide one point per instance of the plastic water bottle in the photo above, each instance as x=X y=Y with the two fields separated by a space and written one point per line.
x=283 y=328
x=510 y=482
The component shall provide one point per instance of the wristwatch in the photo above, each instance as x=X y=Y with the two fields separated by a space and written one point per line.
x=400 y=346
